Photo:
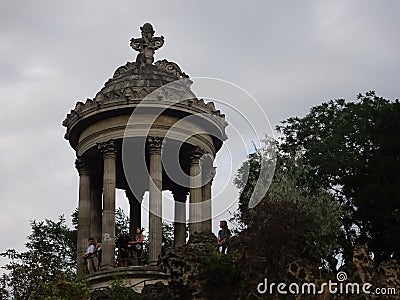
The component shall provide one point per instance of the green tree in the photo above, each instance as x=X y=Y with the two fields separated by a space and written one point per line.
x=167 y=234
x=51 y=253
x=47 y=269
x=293 y=220
x=291 y=224
x=55 y=243
x=121 y=222
x=353 y=149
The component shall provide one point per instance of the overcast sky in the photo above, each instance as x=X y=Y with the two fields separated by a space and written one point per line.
x=289 y=55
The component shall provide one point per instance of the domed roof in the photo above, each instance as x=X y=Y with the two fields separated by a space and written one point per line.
x=133 y=82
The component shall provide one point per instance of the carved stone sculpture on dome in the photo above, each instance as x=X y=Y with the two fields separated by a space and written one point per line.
x=99 y=98
x=129 y=67
x=170 y=67
x=88 y=103
x=129 y=94
x=144 y=92
x=79 y=107
x=146 y=45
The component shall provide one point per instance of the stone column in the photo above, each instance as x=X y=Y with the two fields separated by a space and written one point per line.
x=84 y=208
x=96 y=213
x=108 y=150
x=207 y=210
x=195 y=208
x=135 y=212
x=180 y=217
x=155 y=198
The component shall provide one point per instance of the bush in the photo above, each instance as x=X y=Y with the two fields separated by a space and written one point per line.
x=219 y=275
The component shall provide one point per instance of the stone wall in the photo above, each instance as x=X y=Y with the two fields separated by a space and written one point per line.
x=186 y=267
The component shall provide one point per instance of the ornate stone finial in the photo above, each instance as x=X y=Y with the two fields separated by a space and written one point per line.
x=147 y=44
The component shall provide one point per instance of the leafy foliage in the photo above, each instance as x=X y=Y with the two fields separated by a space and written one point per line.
x=293 y=222
x=220 y=275
x=121 y=222
x=47 y=269
x=255 y=175
x=51 y=255
x=118 y=291
x=167 y=234
x=353 y=149
x=291 y=216
x=49 y=263
x=61 y=288
x=55 y=243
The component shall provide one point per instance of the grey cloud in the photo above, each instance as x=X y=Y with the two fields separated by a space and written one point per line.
x=288 y=55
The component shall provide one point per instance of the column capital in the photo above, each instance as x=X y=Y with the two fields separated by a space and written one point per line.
x=107 y=148
x=135 y=197
x=154 y=144
x=81 y=166
x=180 y=194
x=195 y=154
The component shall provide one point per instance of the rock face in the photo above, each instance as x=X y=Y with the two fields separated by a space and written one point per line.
x=363 y=266
x=385 y=277
x=389 y=275
x=361 y=271
x=186 y=264
x=186 y=268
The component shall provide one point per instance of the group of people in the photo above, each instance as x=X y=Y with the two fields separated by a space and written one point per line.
x=128 y=250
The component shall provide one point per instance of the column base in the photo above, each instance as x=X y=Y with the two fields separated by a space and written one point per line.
x=135 y=277
x=106 y=267
x=152 y=263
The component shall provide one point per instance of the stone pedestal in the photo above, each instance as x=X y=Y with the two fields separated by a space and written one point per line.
x=134 y=277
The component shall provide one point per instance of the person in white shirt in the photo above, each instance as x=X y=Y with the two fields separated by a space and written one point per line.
x=89 y=255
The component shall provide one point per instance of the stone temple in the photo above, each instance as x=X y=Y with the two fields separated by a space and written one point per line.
x=145 y=130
